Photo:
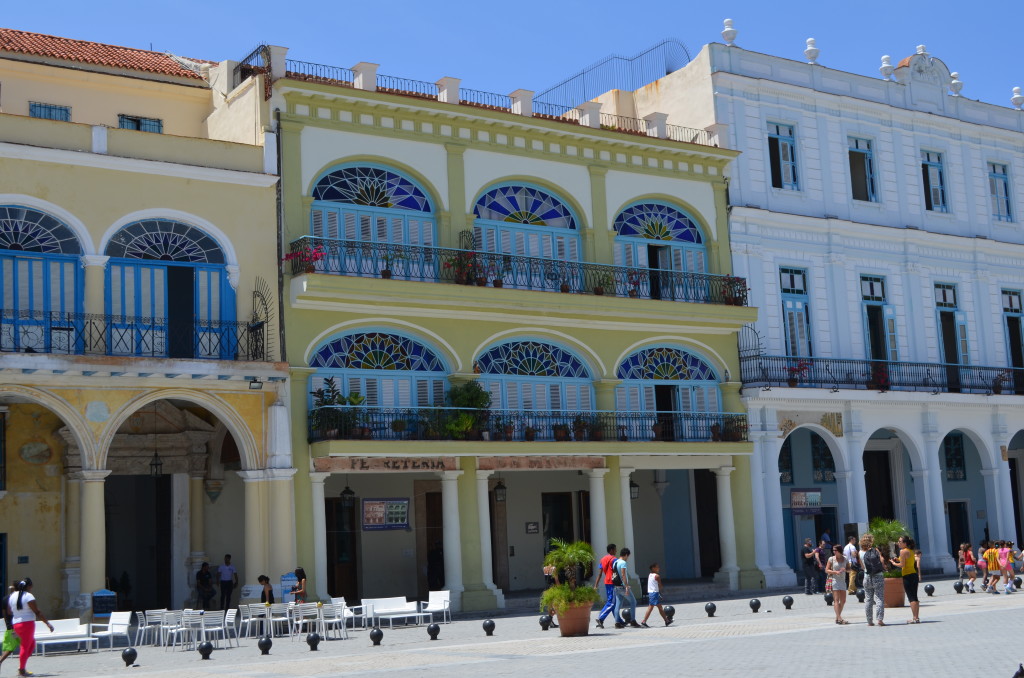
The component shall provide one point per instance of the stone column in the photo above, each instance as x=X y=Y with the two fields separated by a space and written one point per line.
x=627 y=517
x=281 y=519
x=483 y=506
x=71 y=573
x=319 y=535
x=456 y=195
x=1007 y=524
x=182 y=581
x=844 y=501
x=779 y=573
x=598 y=511
x=255 y=521
x=94 y=536
x=928 y=486
x=197 y=532
x=730 y=571
x=858 y=491
x=452 y=536
x=994 y=500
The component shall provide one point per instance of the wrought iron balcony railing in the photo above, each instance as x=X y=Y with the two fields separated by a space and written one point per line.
x=880 y=375
x=113 y=335
x=351 y=422
x=436 y=264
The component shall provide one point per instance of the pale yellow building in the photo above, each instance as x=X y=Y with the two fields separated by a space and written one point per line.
x=141 y=397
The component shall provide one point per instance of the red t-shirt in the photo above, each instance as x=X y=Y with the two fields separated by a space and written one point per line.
x=606 y=567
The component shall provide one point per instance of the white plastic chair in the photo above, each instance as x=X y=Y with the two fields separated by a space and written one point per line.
x=118 y=625
x=438 y=602
x=188 y=630
x=304 y=616
x=353 y=612
x=217 y=625
x=279 y=614
x=251 y=618
x=334 y=618
x=149 y=623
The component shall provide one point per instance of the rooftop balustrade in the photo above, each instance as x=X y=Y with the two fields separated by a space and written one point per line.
x=441 y=265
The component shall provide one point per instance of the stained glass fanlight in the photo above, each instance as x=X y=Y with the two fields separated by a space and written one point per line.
x=165 y=240
x=665 y=364
x=655 y=221
x=371 y=187
x=533 y=359
x=524 y=205
x=29 y=230
x=376 y=351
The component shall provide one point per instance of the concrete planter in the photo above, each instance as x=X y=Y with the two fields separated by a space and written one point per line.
x=575 y=621
x=894 y=595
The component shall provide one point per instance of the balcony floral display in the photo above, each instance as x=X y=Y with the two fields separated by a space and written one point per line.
x=734 y=290
x=306 y=257
x=633 y=280
x=1001 y=380
x=878 y=378
x=466 y=268
x=797 y=372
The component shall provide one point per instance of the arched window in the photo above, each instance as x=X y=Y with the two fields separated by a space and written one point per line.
x=531 y=222
x=168 y=292
x=665 y=381
x=535 y=375
x=388 y=370
x=40 y=280
x=658 y=236
x=371 y=204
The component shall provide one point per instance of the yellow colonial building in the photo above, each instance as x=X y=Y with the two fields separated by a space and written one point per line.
x=507 y=322
x=142 y=406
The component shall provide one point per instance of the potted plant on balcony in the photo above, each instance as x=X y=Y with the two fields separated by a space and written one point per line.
x=734 y=290
x=530 y=433
x=469 y=396
x=561 y=432
x=504 y=428
x=605 y=281
x=878 y=378
x=580 y=426
x=886 y=532
x=596 y=431
x=1001 y=380
x=388 y=257
x=307 y=256
x=571 y=599
x=464 y=267
x=633 y=280
x=398 y=427
x=797 y=372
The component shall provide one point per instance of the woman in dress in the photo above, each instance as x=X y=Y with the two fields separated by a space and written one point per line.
x=300 y=588
x=24 y=613
x=909 y=563
x=835 y=569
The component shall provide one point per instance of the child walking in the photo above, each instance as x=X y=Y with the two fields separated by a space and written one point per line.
x=970 y=567
x=654 y=596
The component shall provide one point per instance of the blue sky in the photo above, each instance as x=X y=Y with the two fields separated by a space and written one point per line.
x=533 y=44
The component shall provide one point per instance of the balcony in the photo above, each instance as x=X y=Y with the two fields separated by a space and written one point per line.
x=346 y=422
x=465 y=267
x=90 y=334
x=842 y=374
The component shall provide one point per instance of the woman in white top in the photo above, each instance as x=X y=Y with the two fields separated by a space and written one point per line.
x=835 y=568
x=24 y=613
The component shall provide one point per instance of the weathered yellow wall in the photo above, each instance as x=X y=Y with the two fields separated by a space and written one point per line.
x=30 y=514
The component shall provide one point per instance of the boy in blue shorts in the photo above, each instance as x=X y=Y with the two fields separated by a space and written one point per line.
x=654 y=596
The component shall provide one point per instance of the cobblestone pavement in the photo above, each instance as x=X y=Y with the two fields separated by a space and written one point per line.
x=959 y=635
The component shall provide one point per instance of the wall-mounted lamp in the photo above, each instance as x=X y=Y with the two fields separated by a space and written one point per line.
x=348 y=496
x=156 y=467
x=500 y=491
x=255 y=384
x=634 y=490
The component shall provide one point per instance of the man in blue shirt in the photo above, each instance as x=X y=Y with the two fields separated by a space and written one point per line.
x=623 y=594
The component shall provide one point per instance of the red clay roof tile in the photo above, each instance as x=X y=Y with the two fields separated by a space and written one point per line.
x=83 y=51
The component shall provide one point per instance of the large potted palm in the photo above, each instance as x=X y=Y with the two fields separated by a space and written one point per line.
x=886 y=533
x=571 y=599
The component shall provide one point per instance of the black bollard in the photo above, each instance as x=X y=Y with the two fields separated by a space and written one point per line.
x=829 y=598
x=860 y=595
x=626 y=615
x=1016 y=582
x=129 y=655
x=788 y=602
x=264 y=644
x=489 y=627
x=929 y=589
x=545 y=622
x=433 y=630
x=205 y=649
x=312 y=639
x=670 y=612
x=376 y=635
x=755 y=605
x=710 y=609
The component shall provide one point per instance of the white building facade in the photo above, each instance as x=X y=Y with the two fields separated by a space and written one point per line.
x=878 y=220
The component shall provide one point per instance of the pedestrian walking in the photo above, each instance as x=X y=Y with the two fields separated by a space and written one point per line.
x=983 y=564
x=623 y=595
x=853 y=564
x=10 y=642
x=874 y=579
x=836 y=569
x=24 y=613
x=1006 y=561
x=992 y=561
x=654 y=595
x=604 y=574
x=909 y=563
x=809 y=567
x=970 y=565
x=550 y=579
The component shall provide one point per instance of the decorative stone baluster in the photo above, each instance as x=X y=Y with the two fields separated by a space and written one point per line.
x=729 y=33
x=811 y=52
x=955 y=84
x=886 y=68
x=1017 y=99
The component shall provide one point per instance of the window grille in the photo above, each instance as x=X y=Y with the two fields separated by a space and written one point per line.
x=786 y=463
x=821 y=457
x=49 y=111
x=141 y=124
x=953 y=445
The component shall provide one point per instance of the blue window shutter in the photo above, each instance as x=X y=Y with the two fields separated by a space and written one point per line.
x=891 y=334
x=962 y=346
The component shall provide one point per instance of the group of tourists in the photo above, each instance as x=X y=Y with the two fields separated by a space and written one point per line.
x=995 y=560
x=840 y=570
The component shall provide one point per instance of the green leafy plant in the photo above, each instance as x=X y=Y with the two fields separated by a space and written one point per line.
x=886 y=532
x=569 y=558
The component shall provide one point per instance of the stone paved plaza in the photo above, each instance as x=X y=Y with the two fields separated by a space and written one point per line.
x=958 y=635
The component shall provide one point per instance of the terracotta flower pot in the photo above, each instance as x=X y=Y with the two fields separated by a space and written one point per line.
x=791 y=382
x=498 y=282
x=575 y=621
x=894 y=594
